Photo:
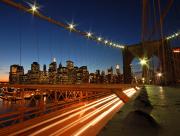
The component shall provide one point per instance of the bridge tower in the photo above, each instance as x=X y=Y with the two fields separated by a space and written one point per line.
x=152 y=43
x=150 y=48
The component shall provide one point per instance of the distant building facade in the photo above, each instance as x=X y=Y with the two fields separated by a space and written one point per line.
x=16 y=74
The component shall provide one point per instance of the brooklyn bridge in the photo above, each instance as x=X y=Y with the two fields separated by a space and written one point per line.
x=74 y=101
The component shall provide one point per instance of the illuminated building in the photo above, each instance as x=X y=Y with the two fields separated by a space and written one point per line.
x=97 y=76
x=52 y=72
x=118 y=77
x=82 y=75
x=110 y=75
x=15 y=74
x=70 y=65
x=62 y=74
x=34 y=73
x=103 y=77
x=118 y=70
x=71 y=72
x=44 y=76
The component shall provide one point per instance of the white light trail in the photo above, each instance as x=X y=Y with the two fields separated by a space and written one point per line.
x=64 y=114
x=96 y=120
x=89 y=115
x=71 y=116
x=129 y=92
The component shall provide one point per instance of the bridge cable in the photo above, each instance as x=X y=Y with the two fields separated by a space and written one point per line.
x=20 y=40
x=162 y=41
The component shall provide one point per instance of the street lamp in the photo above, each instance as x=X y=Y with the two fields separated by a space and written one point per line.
x=159 y=77
x=144 y=64
x=159 y=74
x=143 y=61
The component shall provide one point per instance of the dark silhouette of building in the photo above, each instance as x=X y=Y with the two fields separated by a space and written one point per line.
x=15 y=74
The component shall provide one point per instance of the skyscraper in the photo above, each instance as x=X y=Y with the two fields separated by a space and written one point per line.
x=34 y=73
x=52 y=72
x=15 y=74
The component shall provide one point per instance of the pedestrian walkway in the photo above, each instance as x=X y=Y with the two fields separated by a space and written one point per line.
x=154 y=111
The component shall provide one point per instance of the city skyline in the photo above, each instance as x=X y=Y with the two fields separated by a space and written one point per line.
x=56 y=73
x=52 y=41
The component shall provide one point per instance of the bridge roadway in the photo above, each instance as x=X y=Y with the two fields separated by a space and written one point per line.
x=84 y=118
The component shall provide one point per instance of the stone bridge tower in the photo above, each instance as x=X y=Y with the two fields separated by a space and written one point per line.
x=149 y=49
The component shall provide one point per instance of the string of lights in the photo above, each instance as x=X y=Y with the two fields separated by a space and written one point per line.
x=34 y=10
x=173 y=36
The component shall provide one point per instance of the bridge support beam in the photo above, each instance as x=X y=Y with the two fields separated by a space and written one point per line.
x=121 y=95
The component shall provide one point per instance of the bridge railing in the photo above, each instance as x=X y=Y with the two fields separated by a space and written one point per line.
x=26 y=113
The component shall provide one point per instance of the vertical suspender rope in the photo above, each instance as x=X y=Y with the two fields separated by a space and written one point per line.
x=20 y=41
x=155 y=24
x=50 y=45
x=37 y=43
x=155 y=17
x=162 y=42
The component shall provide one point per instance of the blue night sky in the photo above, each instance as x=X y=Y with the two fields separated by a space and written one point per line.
x=116 y=20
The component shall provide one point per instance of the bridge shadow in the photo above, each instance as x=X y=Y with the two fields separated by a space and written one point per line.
x=139 y=122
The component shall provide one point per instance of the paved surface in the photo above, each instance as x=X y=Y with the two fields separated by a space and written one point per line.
x=162 y=109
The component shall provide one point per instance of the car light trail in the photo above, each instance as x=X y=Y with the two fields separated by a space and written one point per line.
x=130 y=92
x=79 y=118
x=89 y=115
x=64 y=114
x=72 y=115
x=96 y=120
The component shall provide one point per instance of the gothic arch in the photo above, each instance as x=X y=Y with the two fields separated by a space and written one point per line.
x=148 y=49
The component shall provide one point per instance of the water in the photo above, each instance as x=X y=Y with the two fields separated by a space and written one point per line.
x=10 y=106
